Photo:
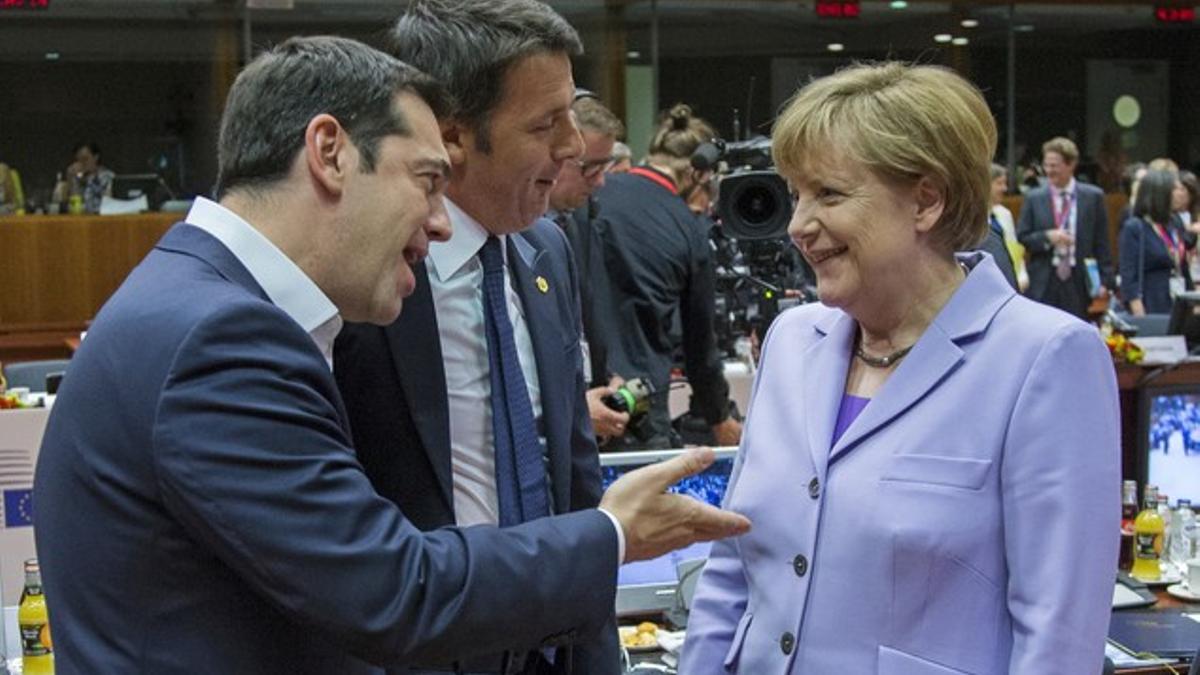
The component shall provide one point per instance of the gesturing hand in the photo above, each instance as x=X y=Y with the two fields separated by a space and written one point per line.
x=655 y=521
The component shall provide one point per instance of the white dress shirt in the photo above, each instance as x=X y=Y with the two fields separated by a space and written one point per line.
x=1058 y=205
x=456 y=280
x=1069 y=224
x=284 y=283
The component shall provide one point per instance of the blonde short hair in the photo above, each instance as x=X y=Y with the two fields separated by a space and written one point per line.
x=903 y=122
x=1065 y=147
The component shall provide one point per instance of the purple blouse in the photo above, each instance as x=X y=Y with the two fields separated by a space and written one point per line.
x=849 y=409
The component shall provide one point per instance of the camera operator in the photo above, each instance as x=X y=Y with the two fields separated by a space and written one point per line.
x=658 y=260
x=572 y=209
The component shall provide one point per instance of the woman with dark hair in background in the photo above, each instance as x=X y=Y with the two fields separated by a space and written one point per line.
x=85 y=177
x=1153 y=248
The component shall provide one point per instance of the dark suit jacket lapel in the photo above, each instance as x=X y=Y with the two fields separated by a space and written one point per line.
x=417 y=356
x=528 y=262
x=1085 y=234
x=1043 y=205
x=191 y=240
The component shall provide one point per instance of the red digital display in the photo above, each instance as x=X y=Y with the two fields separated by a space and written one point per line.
x=1175 y=14
x=24 y=4
x=827 y=9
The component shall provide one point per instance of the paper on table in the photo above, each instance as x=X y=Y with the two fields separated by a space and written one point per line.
x=111 y=206
x=1122 y=658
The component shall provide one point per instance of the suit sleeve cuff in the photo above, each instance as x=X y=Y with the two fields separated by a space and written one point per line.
x=620 y=536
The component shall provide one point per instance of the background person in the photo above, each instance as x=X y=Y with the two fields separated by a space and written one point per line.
x=1062 y=224
x=1153 y=248
x=200 y=505
x=660 y=270
x=889 y=536
x=85 y=176
x=572 y=208
x=1001 y=220
x=10 y=202
x=622 y=158
x=1185 y=201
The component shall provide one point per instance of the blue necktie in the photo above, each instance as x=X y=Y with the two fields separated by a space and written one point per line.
x=520 y=474
x=995 y=223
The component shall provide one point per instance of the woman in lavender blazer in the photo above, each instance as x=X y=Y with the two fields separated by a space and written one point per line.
x=931 y=461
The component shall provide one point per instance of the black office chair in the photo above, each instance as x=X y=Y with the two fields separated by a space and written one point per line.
x=33 y=374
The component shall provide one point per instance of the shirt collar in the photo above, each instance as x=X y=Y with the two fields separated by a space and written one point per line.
x=283 y=281
x=446 y=258
x=1070 y=189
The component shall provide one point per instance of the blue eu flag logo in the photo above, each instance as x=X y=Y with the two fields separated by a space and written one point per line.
x=18 y=508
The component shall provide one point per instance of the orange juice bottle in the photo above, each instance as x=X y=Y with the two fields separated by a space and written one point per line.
x=1148 y=538
x=37 y=655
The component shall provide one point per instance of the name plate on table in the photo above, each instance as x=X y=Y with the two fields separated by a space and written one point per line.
x=1162 y=350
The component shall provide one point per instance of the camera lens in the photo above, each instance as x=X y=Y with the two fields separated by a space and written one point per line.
x=754 y=205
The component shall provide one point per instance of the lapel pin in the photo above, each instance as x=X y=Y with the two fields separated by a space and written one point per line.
x=542 y=284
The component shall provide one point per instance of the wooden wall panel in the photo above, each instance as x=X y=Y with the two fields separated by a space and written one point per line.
x=61 y=269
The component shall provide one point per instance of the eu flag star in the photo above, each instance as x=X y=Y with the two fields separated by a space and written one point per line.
x=18 y=508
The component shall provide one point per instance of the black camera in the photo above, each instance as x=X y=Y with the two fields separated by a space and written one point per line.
x=754 y=259
x=753 y=202
x=633 y=397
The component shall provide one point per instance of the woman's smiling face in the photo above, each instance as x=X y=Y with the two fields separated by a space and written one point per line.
x=854 y=228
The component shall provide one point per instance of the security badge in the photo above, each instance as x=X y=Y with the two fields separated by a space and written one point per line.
x=542 y=284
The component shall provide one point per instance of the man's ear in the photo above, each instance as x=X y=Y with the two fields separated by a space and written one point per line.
x=328 y=153
x=456 y=136
x=931 y=202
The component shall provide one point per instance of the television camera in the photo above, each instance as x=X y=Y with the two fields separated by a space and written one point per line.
x=758 y=272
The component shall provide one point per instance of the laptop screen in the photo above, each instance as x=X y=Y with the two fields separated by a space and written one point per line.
x=649 y=585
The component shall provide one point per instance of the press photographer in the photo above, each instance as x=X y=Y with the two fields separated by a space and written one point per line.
x=758 y=271
x=660 y=269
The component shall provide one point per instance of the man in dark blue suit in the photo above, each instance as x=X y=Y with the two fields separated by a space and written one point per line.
x=200 y=508
x=1061 y=226
x=424 y=394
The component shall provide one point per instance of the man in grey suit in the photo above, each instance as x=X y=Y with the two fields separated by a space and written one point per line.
x=200 y=507
x=1062 y=225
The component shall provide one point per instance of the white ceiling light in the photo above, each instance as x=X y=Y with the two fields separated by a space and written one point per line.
x=970 y=23
x=898 y=4
x=959 y=41
x=943 y=37
x=835 y=46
